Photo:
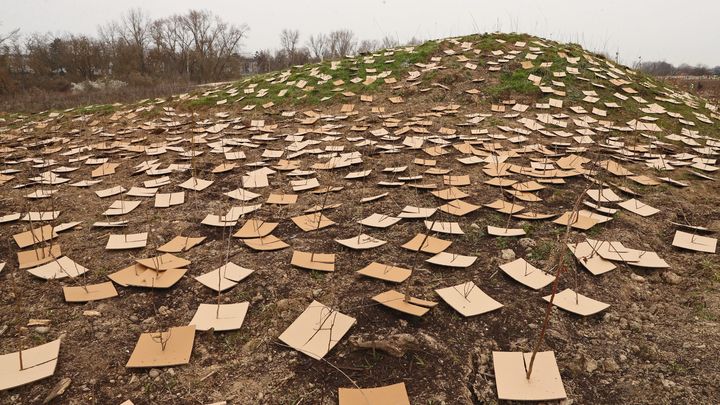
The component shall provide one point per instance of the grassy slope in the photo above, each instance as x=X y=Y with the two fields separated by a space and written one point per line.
x=511 y=82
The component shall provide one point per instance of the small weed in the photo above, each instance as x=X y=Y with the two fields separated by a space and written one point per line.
x=542 y=250
x=501 y=243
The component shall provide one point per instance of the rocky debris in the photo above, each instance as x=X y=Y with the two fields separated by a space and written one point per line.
x=527 y=243
x=154 y=373
x=395 y=345
x=57 y=390
x=637 y=277
x=610 y=365
x=507 y=254
x=671 y=278
x=590 y=365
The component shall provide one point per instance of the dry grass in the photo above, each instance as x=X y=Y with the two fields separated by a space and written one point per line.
x=708 y=87
x=36 y=100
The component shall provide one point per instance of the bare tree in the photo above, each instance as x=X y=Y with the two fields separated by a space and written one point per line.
x=368 y=46
x=289 y=40
x=214 y=42
x=390 y=42
x=9 y=37
x=341 y=43
x=134 y=31
x=318 y=45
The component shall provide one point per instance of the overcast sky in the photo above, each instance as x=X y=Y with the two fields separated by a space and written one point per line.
x=678 y=32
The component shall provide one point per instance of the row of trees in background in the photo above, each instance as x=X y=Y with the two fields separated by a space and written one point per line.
x=667 y=69
x=194 y=47
x=318 y=47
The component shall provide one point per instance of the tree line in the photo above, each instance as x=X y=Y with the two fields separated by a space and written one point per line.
x=662 y=68
x=194 y=47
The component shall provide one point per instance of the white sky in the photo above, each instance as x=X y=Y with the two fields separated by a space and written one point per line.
x=678 y=32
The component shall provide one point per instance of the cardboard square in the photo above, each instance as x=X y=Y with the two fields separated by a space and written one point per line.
x=468 y=299
x=10 y=218
x=545 y=383
x=416 y=212
x=269 y=242
x=167 y=200
x=528 y=186
x=138 y=275
x=576 y=220
x=109 y=192
x=104 y=170
x=180 y=244
x=395 y=394
x=37 y=363
x=505 y=207
x=638 y=207
x=242 y=195
x=58 y=269
x=527 y=274
x=452 y=193
x=40 y=216
x=163 y=262
x=498 y=231
x=614 y=251
x=304 y=184
x=604 y=195
x=130 y=241
x=317 y=330
x=379 y=221
x=358 y=175
x=224 y=277
x=220 y=317
x=121 y=207
x=396 y=300
x=163 y=349
x=458 y=207
x=282 y=199
x=219 y=220
x=523 y=196
x=694 y=242
x=110 y=224
x=577 y=303
x=452 y=228
x=195 y=184
x=532 y=216
x=601 y=209
x=361 y=242
x=590 y=259
x=255 y=228
x=650 y=260
x=313 y=261
x=427 y=244
x=35 y=235
x=142 y=192
x=155 y=183
x=385 y=272
x=457 y=181
x=90 y=292
x=223 y=167
x=312 y=222
x=66 y=226
x=237 y=212
x=36 y=257
x=452 y=260
x=500 y=182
